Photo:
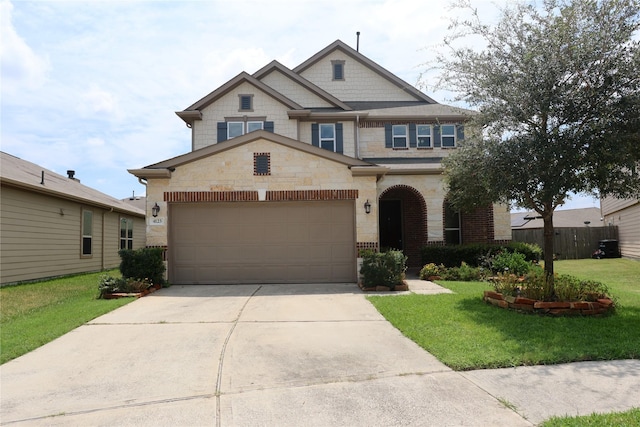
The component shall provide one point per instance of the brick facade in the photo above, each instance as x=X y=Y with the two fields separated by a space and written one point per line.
x=477 y=226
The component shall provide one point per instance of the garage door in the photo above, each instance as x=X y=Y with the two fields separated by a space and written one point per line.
x=262 y=242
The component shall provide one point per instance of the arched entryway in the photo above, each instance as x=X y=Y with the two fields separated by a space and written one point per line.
x=403 y=221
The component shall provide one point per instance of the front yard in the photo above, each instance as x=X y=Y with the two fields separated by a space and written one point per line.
x=465 y=333
x=35 y=313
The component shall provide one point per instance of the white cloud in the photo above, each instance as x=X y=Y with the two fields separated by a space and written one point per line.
x=21 y=66
x=98 y=101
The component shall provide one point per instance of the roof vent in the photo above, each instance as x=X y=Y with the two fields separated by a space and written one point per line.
x=71 y=174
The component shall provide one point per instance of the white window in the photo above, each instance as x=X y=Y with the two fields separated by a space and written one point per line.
x=452 y=229
x=423 y=133
x=235 y=129
x=251 y=126
x=240 y=128
x=328 y=136
x=399 y=136
x=87 y=233
x=126 y=233
x=448 y=134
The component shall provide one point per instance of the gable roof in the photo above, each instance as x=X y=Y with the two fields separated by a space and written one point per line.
x=561 y=218
x=274 y=66
x=192 y=112
x=163 y=169
x=31 y=177
x=343 y=47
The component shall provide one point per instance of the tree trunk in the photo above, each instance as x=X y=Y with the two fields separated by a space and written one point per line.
x=548 y=252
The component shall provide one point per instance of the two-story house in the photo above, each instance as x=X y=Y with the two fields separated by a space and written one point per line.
x=294 y=171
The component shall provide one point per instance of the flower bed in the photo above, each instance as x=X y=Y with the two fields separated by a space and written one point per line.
x=599 y=307
x=398 y=288
x=115 y=295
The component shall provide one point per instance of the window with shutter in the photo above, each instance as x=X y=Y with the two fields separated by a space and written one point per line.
x=424 y=136
x=399 y=133
x=448 y=133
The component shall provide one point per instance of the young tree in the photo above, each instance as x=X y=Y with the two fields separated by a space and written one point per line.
x=557 y=90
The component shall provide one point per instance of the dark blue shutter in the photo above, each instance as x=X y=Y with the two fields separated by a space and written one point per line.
x=388 y=136
x=339 y=142
x=222 y=131
x=413 y=139
x=437 y=141
x=315 y=135
x=268 y=126
x=460 y=132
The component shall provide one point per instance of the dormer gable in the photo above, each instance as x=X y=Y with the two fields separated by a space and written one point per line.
x=330 y=57
x=194 y=111
x=294 y=82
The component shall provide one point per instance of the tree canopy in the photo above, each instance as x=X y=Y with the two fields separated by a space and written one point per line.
x=557 y=93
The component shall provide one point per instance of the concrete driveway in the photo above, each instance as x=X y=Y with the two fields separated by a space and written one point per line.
x=244 y=355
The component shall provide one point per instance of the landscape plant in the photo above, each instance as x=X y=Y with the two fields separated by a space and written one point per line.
x=383 y=268
x=556 y=89
x=465 y=333
x=143 y=263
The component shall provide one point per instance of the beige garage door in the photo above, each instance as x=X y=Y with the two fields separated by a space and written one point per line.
x=262 y=242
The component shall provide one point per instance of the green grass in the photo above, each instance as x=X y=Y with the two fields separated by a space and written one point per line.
x=465 y=333
x=36 y=313
x=616 y=419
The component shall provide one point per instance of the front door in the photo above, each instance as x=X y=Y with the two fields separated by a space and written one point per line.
x=391 y=224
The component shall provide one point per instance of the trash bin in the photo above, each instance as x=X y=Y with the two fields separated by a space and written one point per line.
x=609 y=248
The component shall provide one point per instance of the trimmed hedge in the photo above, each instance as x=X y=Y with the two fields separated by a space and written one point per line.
x=144 y=263
x=473 y=254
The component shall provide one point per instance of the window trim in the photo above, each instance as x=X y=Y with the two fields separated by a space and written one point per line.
x=394 y=136
x=84 y=236
x=332 y=139
x=419 y=135
x=248 y=122
x=443 y=136
x=128 y=238
x=335 y=65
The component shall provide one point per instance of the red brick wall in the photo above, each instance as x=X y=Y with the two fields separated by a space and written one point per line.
x=477 y=226
x=414 y=220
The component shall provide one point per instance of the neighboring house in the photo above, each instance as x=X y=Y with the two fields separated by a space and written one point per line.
x=294 y=171
x=52 y=225
x=585 y=217
x=625 y=214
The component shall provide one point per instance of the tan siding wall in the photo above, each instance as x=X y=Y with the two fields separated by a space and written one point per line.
x=610 y=205
x=360 y=82
x=37 y=241
x=372 y=145
x=294 y=91
x=205 y=131
x=628 y=222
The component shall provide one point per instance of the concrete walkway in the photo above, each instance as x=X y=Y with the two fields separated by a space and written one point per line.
x=281 y=355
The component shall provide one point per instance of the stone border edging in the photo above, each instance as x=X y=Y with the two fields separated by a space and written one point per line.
x=397 y=288
x=116 y=295
x=553 y=308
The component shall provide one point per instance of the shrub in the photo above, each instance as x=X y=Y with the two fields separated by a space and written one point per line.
x=383 y=268
x=430 y=270
x=142 y=263
x=510 y=262
x=109 y=285
x=531 y=251
x=468 y=273
x=474 y=254
x=506 y=284
x=535 y=285
x=569 y=288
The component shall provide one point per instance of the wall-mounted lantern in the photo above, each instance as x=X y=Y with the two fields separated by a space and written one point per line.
x=367 y=207
x=155 y=210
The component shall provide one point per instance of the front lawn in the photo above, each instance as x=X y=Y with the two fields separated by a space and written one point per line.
x=615 y=419
x=35 y=313
x=465 y=333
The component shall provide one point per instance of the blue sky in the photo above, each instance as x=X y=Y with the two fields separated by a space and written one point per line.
x=94 y=86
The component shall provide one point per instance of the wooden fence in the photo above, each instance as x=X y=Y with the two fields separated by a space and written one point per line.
x=569 y=242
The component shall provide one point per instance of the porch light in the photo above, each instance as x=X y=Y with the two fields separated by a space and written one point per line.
x=155 y=209
x=367 y=206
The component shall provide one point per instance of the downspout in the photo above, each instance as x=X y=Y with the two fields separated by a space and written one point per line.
x=104 y=229
x=357 y=144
